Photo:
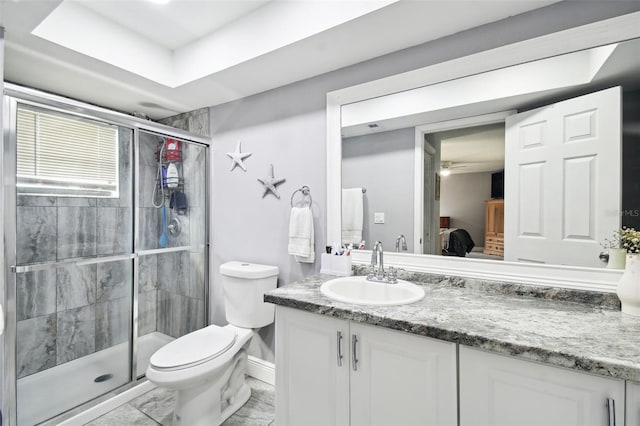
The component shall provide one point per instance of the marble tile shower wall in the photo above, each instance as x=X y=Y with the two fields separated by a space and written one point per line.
x=196 y=121
x=182 y=306
x=173 y=302
x=67 y=312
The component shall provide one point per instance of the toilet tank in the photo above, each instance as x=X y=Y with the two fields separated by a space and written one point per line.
x=244 y=287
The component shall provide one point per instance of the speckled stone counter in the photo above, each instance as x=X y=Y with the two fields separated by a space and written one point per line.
x=578 y=330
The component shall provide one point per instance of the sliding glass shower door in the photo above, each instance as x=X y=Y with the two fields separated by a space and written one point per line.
x=171 y=243
x=105 y=231
x=74 y=269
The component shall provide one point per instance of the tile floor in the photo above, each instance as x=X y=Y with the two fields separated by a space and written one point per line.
x=155 y=408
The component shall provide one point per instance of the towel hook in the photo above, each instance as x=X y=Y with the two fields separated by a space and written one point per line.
x=305 y=192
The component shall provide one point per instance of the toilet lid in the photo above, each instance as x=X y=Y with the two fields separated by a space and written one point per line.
x=194 y=348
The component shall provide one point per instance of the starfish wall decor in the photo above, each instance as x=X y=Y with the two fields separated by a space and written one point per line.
x=270 y=183
x=237 y=158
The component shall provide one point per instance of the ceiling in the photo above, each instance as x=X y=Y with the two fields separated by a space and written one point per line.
x=516 y=88
x=472 y=149
x=163 y=59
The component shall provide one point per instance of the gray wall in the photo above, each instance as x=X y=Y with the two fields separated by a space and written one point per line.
x=462 y=197
x=287 y=127
x=383 y=163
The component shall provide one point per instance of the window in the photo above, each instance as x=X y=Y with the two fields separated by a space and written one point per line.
x=61 y=155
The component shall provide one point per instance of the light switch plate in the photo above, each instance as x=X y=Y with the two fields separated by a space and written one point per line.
x=378 y=217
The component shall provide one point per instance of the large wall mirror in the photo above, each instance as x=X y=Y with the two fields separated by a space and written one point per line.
x=534 y=163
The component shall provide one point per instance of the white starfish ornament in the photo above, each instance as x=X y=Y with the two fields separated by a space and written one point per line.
x=270 y=183
x=238 y=157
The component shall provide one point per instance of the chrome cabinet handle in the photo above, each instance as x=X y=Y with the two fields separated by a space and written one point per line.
x=611 y=406
x=354 y=355
x=339 y=338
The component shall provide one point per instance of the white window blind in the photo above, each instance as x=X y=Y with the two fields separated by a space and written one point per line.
x=65 y=156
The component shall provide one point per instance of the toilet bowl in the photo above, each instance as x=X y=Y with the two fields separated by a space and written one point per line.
x=207 y=367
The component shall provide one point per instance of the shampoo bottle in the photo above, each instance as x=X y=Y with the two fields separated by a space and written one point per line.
x=172 y=176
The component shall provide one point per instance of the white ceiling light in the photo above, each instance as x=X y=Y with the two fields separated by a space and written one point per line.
x=445 y=172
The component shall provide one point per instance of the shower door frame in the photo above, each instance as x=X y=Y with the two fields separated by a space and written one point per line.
x=12 y=96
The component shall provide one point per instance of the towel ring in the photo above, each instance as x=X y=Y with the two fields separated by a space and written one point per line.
x=305 y=192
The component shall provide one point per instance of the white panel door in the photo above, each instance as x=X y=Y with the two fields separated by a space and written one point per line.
x=497 y=390
x=401 y=379
x=312 y=385
x=633 y=404
x=563 y=180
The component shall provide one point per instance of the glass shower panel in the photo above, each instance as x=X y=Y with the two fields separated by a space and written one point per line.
x=172 y=253
x=73 y=336
x=66 y=209
x=74 y=273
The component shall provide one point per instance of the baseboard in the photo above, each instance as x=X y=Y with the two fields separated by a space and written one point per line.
x=261 y=370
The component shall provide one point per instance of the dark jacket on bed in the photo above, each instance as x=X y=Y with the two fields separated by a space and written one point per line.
x=460 y=243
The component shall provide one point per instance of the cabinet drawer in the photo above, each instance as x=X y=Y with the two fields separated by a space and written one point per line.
x=494 y=239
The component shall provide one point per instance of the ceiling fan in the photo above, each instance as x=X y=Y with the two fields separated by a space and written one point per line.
x=447 y=166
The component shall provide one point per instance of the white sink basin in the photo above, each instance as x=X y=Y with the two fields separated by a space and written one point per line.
x=359 y=291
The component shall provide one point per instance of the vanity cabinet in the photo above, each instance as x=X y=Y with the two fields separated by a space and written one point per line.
x=501 y=390
x=633 y=403
x=312 y=380
x=339 y=372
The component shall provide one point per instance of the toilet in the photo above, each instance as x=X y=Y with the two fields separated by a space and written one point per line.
x=207 y=367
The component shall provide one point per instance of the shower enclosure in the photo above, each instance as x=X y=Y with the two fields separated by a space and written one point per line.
x=105 y=250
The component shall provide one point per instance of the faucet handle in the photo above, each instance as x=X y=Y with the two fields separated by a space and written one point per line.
x=392 y=274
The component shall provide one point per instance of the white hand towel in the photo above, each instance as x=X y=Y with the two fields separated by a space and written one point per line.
x=301 y=238
x=352 y=215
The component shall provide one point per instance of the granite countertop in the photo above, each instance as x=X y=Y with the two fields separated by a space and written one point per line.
x=574 y=329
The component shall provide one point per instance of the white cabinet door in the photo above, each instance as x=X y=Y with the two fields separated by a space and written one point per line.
x=401 y=379
x=498 y=390
x=562 y=180
x=312 y=388
x=633 y=404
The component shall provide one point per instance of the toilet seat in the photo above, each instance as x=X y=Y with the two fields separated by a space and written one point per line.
x=194 y=348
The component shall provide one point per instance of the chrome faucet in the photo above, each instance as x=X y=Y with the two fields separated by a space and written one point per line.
x=378 y=274
x=403 y=240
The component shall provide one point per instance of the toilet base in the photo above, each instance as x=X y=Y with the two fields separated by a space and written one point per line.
x=241 y=398
x=194 y=408
x=210 y=404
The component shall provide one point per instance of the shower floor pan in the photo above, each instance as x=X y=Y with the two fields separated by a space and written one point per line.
x=51 y=392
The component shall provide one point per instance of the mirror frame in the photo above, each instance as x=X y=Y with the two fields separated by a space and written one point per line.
x=618 y=29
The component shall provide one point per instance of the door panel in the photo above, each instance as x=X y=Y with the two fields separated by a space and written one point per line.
x=402 y=379
x=567 y=156
x=74 y=273
x=312 y=388
x=496 y=390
